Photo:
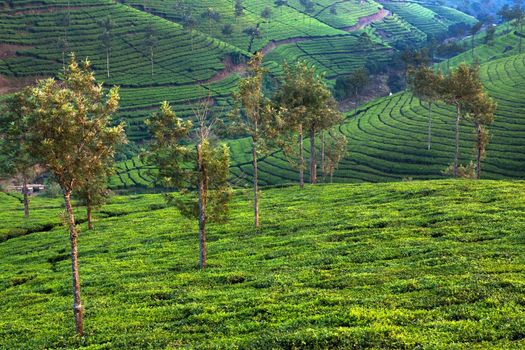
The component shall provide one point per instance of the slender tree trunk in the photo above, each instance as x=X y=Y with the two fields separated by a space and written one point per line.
x=255 y=184
x=473 y=46
x=323 y=156
x=301 y=157
x=151 y=61
x=456 y=157
x=429 y=125
x=73 y=236
x=89 y=207
x=357 y=102
x=521 y=35
x=107 y=61
x=313 y=159
x=203 y=189
x=25 y=192
x=63 y=60
x=479 y=151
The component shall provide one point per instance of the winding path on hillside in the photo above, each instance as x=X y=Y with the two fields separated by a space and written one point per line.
x=274 y=44
x=232 y=68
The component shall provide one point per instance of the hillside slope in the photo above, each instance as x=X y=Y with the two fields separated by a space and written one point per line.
x=435 y=265
x=201 y=44
x=388 y=136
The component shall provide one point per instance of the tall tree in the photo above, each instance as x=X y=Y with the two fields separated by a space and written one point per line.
x=189 y=22
x=481 y=109
x=355 y=83
x=489 y=35
x=473 y=31
x=280 y=4
x=212 y=15
x=150 y=43
x=14 y=131
x=252 y=116
x=63 y=42
x=305 y=104
x=506 y=14
x=106 y=38
x=336 y=147
x=415 y=59
x=71 y=135
x=425 y=84
x=291 y=98
x=322 y=113
x=459 y=86
x=93 y=192
x=239 y=8
x=181 y=166
x=518 y=14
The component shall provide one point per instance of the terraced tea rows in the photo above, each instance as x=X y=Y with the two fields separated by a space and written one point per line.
x=399 y=33
x=211 y=16
x=427 y=20
x=194 y=57
x=387 y=139
x=189 y=63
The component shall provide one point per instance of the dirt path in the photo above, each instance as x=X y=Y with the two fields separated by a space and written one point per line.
x=10 y=50
x=231 y=68
x=12 y=84
x=367 y=20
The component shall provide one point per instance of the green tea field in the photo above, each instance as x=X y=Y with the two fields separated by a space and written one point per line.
x=415 y=265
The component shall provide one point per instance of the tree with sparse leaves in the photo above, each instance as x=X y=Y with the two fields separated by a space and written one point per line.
x=239 y=8
x=189 y=22
x=280 y=4
x=518 y=14
x=459 y=86
x=94 y=192
x=204 y=166
x=291 y=98
x=480 y=111
x=106 y=39
x=63 y=42
x=335 y=149
x=150 y=44
x=14 y=131
x=72 y=134
x=322 y=113
x=253 y=116
x=473 y=31
x=426 y=84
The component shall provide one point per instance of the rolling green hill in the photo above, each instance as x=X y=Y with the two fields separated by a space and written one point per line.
x=393 y=266
x=204 y=59
x=387 y=138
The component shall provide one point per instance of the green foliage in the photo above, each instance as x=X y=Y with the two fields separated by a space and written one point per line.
x=167 y=151
x=335 y=149
x=17 y=159
x=353 y=84
x=70 y=130
x=182 y=166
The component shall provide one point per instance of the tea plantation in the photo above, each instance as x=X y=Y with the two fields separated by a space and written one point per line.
x=388 y=136
x=202 y=59
x=417 y=265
